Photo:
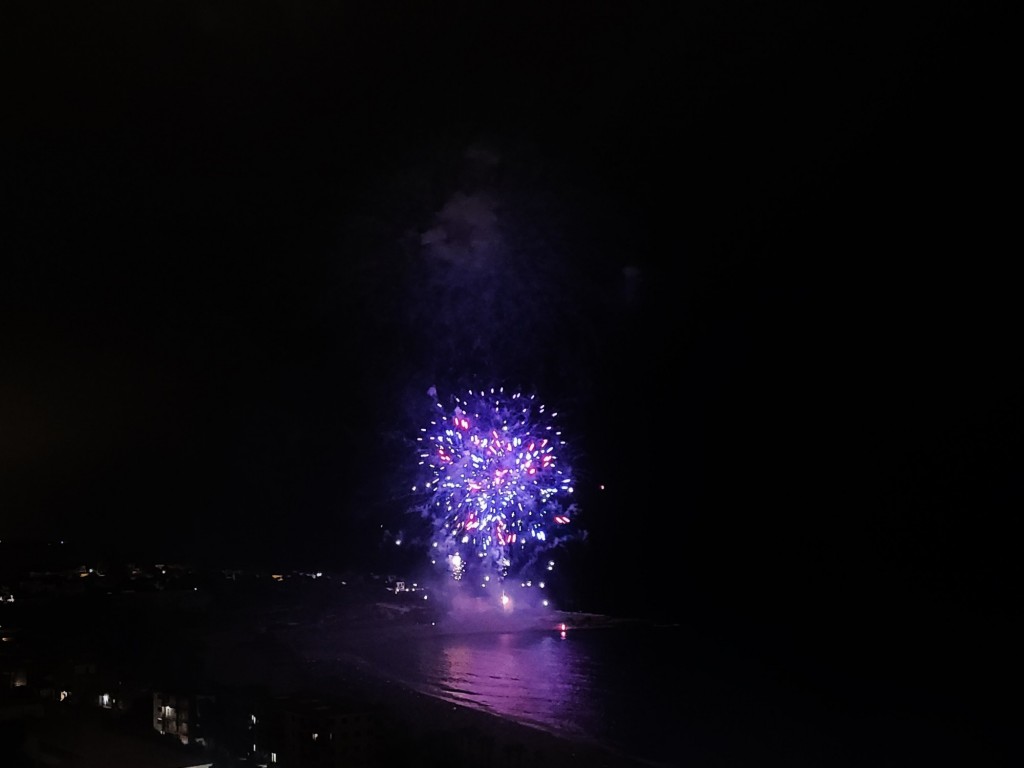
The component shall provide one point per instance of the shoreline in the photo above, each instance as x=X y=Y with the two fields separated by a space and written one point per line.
x=413 y=720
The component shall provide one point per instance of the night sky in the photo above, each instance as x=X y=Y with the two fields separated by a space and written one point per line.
x=756 y=255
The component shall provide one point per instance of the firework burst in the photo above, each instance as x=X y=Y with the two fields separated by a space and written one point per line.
x=498 y=488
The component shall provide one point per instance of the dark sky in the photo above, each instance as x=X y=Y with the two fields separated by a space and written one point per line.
x=758 y=255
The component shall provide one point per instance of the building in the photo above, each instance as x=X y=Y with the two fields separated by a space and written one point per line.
x=308 y=732
x=181 y=715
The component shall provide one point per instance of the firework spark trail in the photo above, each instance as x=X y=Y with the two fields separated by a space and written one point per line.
x=497 y=492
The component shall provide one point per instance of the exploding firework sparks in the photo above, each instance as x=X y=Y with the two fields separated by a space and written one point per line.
x=497 y=490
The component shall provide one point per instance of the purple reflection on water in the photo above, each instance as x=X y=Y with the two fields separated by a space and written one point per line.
x=636 y=689
x=529 y=677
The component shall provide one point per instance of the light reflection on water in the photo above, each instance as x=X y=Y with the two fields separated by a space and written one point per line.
x=664 y=695
x=618 y=687
x=523 y=676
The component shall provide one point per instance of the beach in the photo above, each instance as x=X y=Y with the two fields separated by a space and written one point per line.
x=332 y=658
x=414 y=726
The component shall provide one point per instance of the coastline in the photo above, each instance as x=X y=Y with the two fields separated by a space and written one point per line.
x=413 y=723
x=338 y=656
x=338 y=660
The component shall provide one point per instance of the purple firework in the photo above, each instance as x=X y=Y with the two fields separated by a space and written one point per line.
x=498 y=492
